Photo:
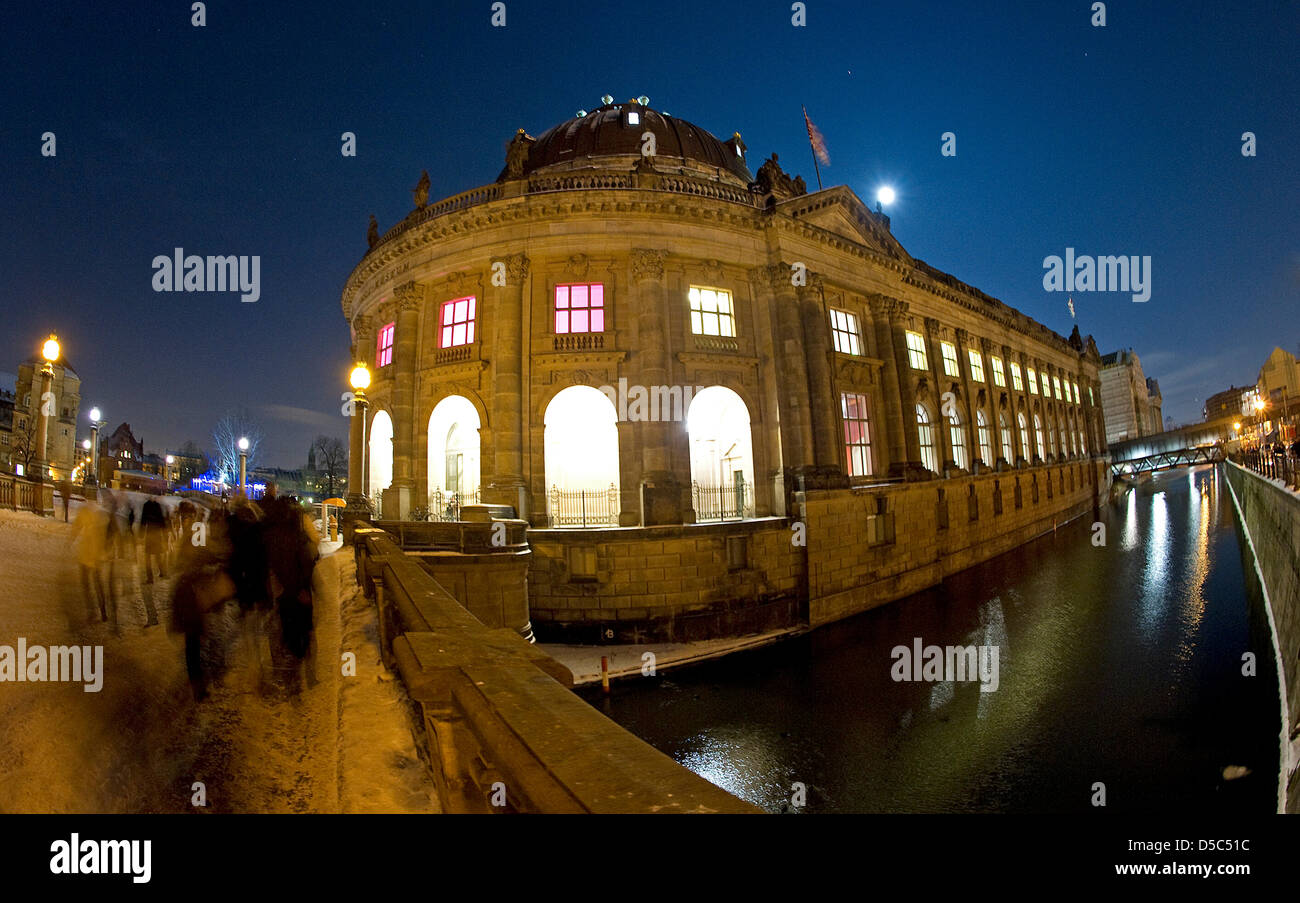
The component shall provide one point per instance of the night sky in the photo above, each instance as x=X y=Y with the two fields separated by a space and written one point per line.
x=225 y=140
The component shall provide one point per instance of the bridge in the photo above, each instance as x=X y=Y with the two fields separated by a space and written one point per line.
x=1183 y=457
x=1199 y=443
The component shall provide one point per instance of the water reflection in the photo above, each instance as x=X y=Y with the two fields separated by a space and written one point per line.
x=1117 y=664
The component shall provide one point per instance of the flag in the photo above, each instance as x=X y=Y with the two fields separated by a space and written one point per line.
x=1070 y=303
x=816 y=140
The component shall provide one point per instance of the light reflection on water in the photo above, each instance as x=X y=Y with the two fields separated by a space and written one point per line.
x=1118 y=664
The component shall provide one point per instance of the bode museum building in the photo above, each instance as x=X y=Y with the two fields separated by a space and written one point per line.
x=721 y=402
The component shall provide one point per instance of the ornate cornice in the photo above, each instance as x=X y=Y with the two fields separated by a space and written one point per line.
x=932 y=326
x=885 y=306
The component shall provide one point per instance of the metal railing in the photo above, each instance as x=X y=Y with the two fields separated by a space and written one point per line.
x=734 y=502
x=1276 y=463
x=583 y=507
x=445 y=506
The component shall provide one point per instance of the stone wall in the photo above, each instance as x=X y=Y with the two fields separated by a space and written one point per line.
x=669 y=583
x=1270 y=517
x=863 y=547
x=870 y=546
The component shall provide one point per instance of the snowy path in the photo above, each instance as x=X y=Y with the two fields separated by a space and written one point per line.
x=141 y=743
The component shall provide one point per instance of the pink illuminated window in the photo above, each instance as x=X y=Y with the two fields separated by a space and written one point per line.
x=579 y=308
x=384 y=348
x=457 y=323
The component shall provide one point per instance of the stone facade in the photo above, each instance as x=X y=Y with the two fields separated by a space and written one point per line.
x=1132 y=402
x=61 y=436
x=828 y=320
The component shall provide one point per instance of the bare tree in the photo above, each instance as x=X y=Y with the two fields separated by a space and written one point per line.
x=331 y=461
x=225 y=441
x=24 y=443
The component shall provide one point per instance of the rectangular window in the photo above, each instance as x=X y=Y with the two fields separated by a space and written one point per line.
x=384 y=347
x=457 y=323
x=1056 y=384
x=999 y=376
x=950 y=359
x=916 y=351
x=976 y=366
x=844 y=329
x=1076 y=393
x=579 y=308
x=1033 y=380
x=1090 y=401
x=1017 y=381
x=711 y=312
x=857 y=433
x=1047 y=386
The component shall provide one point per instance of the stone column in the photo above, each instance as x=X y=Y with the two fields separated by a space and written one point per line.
x=773 y=479
x=507 y=486
x=661 y=489
x=823 y=404
x=792 y=375
x=900 y=417
x=410 y=298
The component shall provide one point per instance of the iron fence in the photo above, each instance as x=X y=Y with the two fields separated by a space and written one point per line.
x=445 y=506
x=583 y=507
x=734 y=502
x=1276 y=463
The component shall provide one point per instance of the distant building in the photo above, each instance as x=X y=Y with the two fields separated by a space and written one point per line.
x=1279 y=386
x=1130 y=402
x=188 y=464
x=6 y=430
x=1236 y=401
x=61 y=438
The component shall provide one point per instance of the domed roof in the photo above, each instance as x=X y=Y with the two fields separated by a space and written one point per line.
x=617 y=129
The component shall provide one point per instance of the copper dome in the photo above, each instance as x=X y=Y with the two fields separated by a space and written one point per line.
x=607 y=131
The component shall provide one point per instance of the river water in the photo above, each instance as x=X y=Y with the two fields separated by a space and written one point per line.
x=1118 y=665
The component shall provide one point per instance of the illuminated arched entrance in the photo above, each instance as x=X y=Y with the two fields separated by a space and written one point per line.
x=454 y=462
x=380 y=454
x=581 y=454
x=722 y=455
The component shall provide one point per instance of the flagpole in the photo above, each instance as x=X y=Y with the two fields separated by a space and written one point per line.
x=816 y=168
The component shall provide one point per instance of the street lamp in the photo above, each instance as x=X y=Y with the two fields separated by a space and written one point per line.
x=243 y=465
x=95 y=424
x=168 y=474
x=50 y=351
x=359 y=495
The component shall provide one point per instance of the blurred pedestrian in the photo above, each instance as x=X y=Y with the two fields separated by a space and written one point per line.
x=90 y=533
x=153 y=521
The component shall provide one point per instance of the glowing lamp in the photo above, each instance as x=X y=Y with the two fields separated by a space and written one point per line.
x=171 y=460
x=885 y=195
x=94 y=413
x=1237 y=425
x=360 y=378
x=85 y=443
x=1259 y=404
x=50 y=350
x=243 y=444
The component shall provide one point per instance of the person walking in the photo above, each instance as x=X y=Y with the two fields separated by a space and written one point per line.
x=153 y=521
x=90 y=533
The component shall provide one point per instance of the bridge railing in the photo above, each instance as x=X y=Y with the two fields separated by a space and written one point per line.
x=1276 y=464
x=21 y=494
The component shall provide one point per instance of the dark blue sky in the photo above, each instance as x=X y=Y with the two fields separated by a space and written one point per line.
x=225 y=140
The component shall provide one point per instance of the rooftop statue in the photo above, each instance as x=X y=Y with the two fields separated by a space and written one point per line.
x=517 y=154
x=422 y=191
x=372 y=234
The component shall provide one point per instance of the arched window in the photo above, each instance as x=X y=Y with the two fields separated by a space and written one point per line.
x=1038 y=436
x=985 y=436
x=1008 y=453
x=580 y=446
x=722 y=456
x=957 y=434
x=1065 y=445
x=1083 y=441
x=1024 y=436
x=453 y=464
x=925 y=435
x=381 y=453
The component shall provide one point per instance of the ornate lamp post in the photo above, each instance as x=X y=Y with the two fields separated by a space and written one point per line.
x=358 y=479
x=50 y=351
x=167 y=474
x=95 y=424
x=243 y=466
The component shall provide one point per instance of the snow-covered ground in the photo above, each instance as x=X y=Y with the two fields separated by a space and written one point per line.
x=142 y=742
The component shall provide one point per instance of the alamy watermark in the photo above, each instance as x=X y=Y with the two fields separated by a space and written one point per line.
x=215 y=273
x=946 y=663
x=56 y=664
x=652 y=403
x=1106 y=273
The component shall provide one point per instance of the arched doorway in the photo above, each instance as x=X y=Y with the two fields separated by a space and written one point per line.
x=722 y=455
x=454 y=462
x=381 y=457
x=581 y=453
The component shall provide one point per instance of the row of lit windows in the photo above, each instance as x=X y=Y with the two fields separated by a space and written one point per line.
x=1071 y=441
x=578 y=308
x=917 y=359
